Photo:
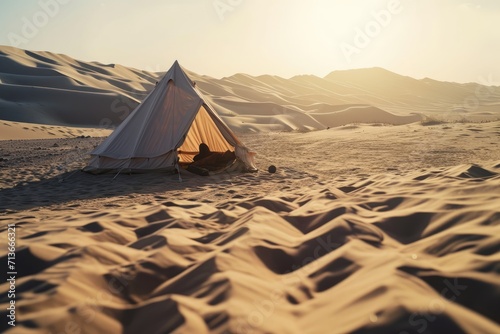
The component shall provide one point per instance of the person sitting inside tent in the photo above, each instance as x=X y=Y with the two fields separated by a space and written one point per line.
x=204 y=151
x=212 y=160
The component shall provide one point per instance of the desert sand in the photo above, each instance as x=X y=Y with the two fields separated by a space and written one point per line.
x=20 y=130
x=375 y=221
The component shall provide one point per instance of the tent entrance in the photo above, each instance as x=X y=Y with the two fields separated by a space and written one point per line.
x=202 y=130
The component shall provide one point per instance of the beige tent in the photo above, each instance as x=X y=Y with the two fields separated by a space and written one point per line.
x=167 y=128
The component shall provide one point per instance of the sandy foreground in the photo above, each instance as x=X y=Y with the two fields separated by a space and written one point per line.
x=363 y=229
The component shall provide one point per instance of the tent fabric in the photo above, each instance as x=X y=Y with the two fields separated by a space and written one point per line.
x=203 y=130
x=168 y=125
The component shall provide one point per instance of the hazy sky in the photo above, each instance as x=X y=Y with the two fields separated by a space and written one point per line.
x=453 y=40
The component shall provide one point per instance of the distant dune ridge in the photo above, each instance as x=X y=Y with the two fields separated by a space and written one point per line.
x=48 y=88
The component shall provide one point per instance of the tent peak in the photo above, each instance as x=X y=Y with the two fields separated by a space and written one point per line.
x=177 y=64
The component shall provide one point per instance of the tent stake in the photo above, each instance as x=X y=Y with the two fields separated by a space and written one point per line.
x=117 y=174
x=178 y=171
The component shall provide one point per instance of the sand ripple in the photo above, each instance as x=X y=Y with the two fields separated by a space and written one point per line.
x=400 y=254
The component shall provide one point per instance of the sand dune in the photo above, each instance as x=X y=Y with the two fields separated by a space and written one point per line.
x=43 y=87
x=363 y=229
x=46 y=88
x=362 y=114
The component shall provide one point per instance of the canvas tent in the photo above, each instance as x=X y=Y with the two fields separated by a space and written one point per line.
x=165 y=128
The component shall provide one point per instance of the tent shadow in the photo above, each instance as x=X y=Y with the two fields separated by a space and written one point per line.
x=76 y=185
